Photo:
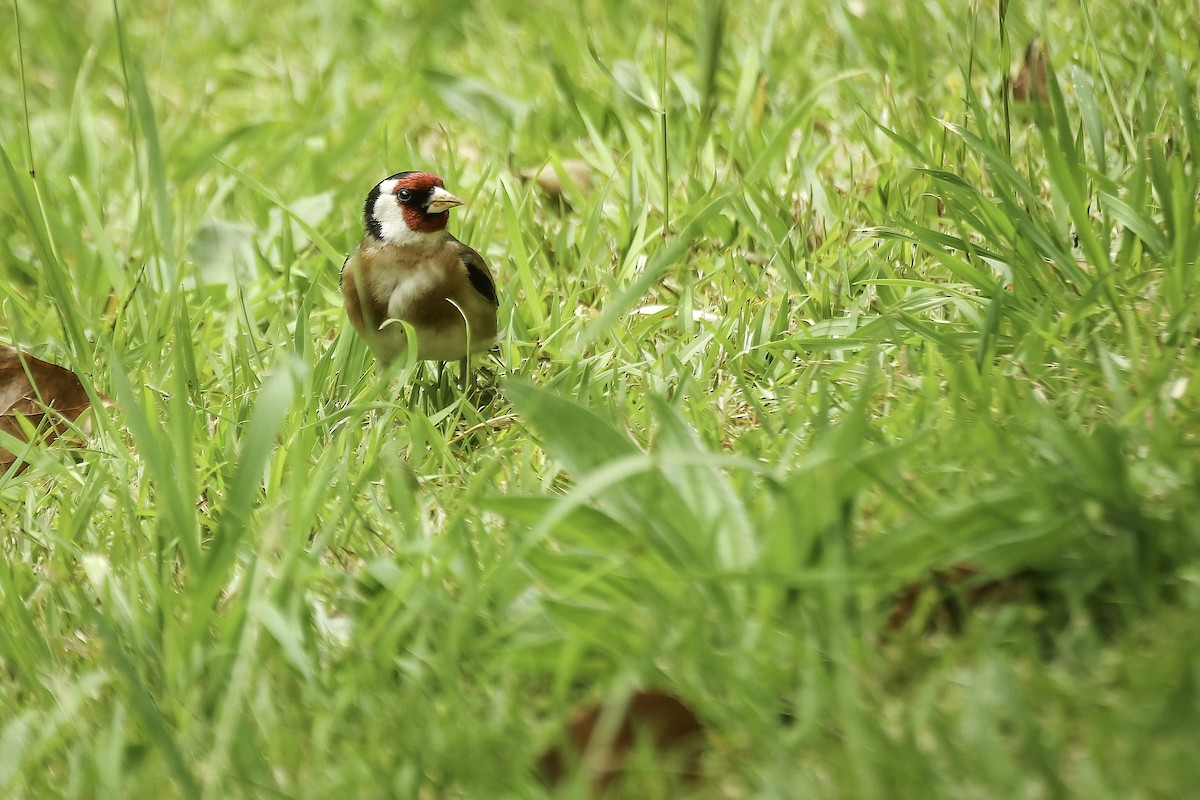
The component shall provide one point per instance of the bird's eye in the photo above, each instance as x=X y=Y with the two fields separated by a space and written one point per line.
x=405 y=195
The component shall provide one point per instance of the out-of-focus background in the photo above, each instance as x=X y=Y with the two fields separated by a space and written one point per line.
x=846 y=400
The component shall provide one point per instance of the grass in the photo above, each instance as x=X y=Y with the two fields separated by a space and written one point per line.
x=934 y=327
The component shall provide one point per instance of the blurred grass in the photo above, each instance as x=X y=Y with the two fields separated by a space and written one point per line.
x=932 y=327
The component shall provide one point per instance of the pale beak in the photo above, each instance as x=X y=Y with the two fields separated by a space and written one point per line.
x=440 y=200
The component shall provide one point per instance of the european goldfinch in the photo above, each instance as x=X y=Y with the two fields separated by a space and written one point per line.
x=408 y=267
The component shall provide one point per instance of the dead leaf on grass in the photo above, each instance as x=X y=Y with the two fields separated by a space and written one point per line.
x=1031 y=83
x=947 y=596
x=554 y=182
x=601 y=743
x=47 y=396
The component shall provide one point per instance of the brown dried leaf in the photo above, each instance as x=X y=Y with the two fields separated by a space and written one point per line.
x=554 y=182
x=49 y=397
x=945 y=597
x=1031 y=83
x=602 y=746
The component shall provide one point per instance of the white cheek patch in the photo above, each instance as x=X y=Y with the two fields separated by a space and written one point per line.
x=390 y=216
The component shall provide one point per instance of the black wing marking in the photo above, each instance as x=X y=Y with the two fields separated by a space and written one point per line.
x=477 y=273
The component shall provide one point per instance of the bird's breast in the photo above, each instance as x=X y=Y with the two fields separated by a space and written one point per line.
x=412 y=283
x=419 y=295
x=428 y=288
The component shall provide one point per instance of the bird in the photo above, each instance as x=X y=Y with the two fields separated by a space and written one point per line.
x=408 y=267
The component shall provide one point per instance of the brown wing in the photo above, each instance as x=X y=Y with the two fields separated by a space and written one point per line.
x=365 y=312
x=478 y=273
x=350 y=296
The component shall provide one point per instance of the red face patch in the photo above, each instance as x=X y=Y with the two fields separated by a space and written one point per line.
x=420 y=184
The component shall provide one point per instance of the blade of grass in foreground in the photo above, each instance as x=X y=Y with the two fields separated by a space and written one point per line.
x=176 y=517
x=157 y=727
x=245 y=485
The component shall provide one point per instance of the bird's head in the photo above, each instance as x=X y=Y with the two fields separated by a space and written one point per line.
x=407 y=206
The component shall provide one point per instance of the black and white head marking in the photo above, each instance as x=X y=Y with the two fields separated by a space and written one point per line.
x=407 y=207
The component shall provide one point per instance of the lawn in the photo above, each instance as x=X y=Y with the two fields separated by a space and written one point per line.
x=852 y=400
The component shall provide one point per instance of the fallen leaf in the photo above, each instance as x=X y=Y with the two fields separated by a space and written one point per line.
x=1031 y=82
x=946 y=596
x=36 y=390
x=601 y=744
x=554 y=182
